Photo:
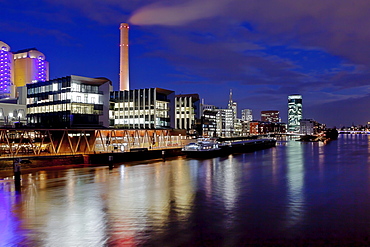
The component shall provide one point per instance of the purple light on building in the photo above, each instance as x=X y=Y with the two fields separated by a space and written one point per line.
x=41 y=68
x=5 y=80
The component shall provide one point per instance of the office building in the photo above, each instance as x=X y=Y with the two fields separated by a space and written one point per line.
x=188 y=111
x=6 y=71
x=294 y=112
x=270 y=116
x=307 y=126
x=262 y=128
x=208 y=124
x=69 y=102
x=225 y=122
x=311 y=127
x=124 y=79
x=29 y=66
x=149 y=108
x=247 y=115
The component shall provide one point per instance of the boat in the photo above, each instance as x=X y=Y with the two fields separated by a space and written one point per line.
x=247 y=146
x=212 y=148
x=203 y=148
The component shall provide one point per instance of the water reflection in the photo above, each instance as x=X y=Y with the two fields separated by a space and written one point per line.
x=295 y=180
x=294 y=193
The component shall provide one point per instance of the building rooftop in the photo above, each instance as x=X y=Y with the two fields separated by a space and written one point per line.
x=25 y=50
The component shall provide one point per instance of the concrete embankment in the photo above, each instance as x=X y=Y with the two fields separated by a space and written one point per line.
x=36 y=163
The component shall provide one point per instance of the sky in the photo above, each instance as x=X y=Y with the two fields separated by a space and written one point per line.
x=261 y=50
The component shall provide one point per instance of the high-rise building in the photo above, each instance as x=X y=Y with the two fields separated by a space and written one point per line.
x=124 y=79
x=247 y=115
x=6 y=72
x=294 y=112
x=29 y=66
x=270 y=116
x=232 y=104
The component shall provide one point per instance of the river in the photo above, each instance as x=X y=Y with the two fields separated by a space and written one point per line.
x=293 y=194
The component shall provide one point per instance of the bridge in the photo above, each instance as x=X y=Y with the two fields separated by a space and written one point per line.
x=355 y=132
x=42 y=142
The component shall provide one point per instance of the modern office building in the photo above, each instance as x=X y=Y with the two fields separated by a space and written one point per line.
x=124 y=79
x=225 y=122
x=307 y=126
x=208 y=123
x=270 y=116
x=69 y=102
x=149 y=108
x=29 y=66
x=294 y=112
x=6 y=71
x=247 y=115
x=311 y=127
x=188 y=111
x=261 y=128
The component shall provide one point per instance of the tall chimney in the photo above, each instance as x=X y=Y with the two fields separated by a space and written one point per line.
x=124 y=82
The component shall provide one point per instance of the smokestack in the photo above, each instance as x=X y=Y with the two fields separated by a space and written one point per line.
x=124 y=81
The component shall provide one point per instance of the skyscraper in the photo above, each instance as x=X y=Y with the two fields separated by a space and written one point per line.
x=232 y=105
x=124 y=80
x=294 y=112
x=29 y=66
x=6 y=71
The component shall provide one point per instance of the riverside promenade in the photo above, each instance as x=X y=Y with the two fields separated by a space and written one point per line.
x=32 y=163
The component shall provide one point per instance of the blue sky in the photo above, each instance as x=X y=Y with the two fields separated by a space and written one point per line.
x=262 y=50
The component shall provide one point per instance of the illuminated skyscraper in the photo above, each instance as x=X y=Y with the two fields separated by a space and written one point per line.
x=232 y=105
x=294 y=112
x=6 y=71
x=30 y=66
x=124 y=81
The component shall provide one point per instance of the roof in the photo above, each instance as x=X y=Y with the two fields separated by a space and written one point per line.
x=25 y=50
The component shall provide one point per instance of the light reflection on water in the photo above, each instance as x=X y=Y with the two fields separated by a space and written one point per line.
x=295 y=193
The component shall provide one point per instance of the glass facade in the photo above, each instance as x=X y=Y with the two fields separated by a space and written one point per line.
x=187 y=111
x=149 y=108
x=65 y=102
x=294 y=112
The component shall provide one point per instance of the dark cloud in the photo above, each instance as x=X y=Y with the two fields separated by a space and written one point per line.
x=342 y=112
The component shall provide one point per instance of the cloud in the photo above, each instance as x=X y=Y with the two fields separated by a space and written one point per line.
x=169 y=14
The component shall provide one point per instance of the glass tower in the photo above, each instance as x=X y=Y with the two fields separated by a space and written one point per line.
x=294 y=112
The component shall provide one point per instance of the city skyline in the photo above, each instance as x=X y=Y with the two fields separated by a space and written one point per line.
x=210 y=47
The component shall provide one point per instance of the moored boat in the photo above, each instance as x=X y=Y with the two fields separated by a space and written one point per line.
x=248 y=145
x=206 y=149
x=203 y=148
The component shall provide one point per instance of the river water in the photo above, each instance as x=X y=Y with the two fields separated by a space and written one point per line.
x=293 y=194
